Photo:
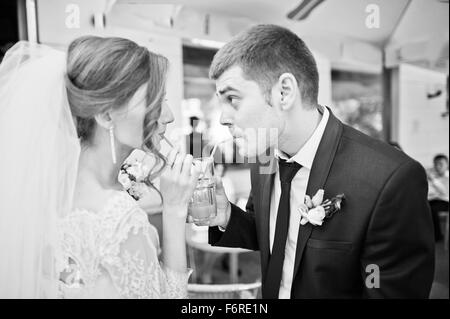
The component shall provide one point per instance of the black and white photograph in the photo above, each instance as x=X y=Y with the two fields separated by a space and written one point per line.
x=227 y=153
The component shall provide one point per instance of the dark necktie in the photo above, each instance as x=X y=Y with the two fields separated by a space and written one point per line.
x=271 y=288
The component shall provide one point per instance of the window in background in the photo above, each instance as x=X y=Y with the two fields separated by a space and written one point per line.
x=358 y=101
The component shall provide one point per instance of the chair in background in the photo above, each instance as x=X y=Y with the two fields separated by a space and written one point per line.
x=229 y=291
x=197 y=238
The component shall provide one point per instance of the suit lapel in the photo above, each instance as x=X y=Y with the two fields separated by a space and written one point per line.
x=318 y=176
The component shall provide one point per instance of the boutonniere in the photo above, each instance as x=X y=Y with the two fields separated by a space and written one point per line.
x=315 y=210
x=133 y=172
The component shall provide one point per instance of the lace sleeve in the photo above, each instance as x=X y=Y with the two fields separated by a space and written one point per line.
x=134 y=266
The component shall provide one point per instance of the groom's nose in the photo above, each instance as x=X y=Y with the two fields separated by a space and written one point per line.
x=226 y=118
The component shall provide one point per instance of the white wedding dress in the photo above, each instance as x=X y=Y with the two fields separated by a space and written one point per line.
x=113 y=253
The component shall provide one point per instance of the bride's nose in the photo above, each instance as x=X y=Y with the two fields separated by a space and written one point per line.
x=166 y=114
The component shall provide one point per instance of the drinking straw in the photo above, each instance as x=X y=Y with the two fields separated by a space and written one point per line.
x=167 y=141
x=211 y=156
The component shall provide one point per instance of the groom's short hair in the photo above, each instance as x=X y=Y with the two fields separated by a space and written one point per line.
x=264 y=52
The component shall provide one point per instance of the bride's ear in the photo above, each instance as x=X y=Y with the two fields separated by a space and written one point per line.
x=104 y=120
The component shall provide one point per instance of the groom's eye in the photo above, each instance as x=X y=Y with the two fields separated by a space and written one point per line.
x=233 y=100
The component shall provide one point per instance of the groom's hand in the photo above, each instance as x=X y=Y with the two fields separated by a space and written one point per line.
x=223 y=208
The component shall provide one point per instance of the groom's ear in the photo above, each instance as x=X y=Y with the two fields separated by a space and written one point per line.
x=104 y=120
x=288 y=91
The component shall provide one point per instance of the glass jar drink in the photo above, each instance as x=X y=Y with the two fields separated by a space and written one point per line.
x=202 y=205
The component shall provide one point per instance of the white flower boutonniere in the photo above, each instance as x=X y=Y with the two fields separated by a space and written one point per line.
x=315 y=210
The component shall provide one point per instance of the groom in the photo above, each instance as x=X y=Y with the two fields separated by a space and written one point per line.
x=379 y=244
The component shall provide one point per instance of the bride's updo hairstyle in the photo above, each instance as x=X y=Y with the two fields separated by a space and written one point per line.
x=104 y=73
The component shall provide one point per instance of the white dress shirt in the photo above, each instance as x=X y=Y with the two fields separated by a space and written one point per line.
x=304 y=157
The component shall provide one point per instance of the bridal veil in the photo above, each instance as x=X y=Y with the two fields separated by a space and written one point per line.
x=39 y=152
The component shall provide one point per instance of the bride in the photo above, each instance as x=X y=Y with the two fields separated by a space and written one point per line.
x=67 y=123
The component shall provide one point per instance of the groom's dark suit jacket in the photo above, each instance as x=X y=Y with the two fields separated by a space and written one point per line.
x=385 y=221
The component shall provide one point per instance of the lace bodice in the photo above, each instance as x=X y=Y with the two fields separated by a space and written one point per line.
x=114 y=254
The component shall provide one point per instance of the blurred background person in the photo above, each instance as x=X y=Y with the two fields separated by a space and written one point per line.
x=438 y=180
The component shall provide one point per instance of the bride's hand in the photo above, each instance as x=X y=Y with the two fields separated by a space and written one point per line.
x=178 y=182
